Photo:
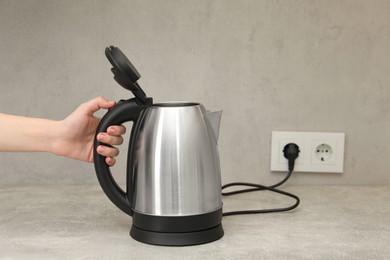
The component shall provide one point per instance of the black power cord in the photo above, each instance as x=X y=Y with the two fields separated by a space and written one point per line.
x=291 y=152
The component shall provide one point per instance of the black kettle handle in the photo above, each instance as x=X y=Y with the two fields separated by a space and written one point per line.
x=124 y=111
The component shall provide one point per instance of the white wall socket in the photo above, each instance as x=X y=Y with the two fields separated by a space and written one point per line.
x=319 y=152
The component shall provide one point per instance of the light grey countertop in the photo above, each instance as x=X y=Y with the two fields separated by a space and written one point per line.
x=79 y=222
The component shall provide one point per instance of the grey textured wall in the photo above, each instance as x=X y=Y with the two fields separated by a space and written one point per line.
x=270 y=65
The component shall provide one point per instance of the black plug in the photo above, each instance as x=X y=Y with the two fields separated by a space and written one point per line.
x=291 y=152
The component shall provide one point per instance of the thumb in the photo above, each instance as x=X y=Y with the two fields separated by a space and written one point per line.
x=95 y=104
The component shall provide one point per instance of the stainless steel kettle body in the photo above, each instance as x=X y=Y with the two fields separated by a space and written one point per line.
x=173 y=172
x=175 y=162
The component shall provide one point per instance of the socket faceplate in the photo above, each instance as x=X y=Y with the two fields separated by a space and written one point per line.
x=311 y=157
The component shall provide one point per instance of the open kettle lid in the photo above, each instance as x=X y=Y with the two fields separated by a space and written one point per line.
x=124 y=72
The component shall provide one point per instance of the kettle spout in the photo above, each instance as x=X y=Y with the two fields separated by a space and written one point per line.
x=213 y=120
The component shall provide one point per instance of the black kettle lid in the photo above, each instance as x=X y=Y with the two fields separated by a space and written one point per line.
x=124 y=72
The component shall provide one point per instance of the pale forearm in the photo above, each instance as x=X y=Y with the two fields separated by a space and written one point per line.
x=24 y=134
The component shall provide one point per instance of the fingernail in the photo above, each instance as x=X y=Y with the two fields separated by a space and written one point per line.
x=100 y=137
x=100 y=149
x=109 y=160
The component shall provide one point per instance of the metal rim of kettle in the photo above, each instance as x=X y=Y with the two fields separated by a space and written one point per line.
x=176 y=104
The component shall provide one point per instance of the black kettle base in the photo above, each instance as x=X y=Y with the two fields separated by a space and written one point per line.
x=177 y=239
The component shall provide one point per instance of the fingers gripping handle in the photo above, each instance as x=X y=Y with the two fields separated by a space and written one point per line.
x=123 y=112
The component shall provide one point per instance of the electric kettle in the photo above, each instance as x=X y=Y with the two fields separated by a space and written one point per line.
x=173 y=190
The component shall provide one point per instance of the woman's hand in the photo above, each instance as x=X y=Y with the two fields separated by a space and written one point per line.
x=77 y=131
